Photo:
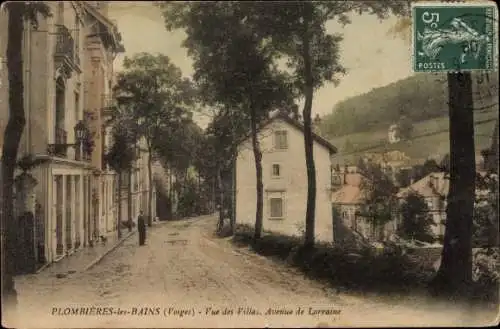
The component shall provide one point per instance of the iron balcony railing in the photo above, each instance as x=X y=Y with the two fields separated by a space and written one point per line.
x=65 y=44
x=59 y=148
x=83 y=152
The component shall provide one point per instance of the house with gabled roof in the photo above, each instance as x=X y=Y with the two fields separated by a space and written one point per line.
x=348 y=202
x=284 y=179
x=434 y=189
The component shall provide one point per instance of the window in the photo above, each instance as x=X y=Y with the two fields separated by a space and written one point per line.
x=60 y=12
x=77 y=106
x=352 y=215
x=69 y=213
x=60 y=100
x=77 y=39
x=77 y=211
x=280 y=140
x=276 y=207
x=276 y=170
x=103 y=188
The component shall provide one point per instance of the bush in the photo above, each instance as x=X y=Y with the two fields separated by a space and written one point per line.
x=486 y=274
x=363 y=269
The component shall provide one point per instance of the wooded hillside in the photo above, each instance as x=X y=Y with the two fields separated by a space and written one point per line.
x=420 y=97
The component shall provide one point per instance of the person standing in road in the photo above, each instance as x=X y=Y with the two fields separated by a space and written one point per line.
x=141 y=227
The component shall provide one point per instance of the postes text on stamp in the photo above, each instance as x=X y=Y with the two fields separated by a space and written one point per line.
x=450 y=36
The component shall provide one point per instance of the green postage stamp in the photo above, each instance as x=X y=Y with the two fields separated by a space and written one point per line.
x=450 y=36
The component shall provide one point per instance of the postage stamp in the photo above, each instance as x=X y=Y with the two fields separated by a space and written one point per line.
x=451 y=36
x=159 y=176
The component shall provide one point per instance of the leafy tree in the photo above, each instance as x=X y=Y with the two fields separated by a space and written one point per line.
x=295 y=113
x=233 y=68
x=177 y=148
x=217 y=153
x=222 y=138
x=420 y=171
x=153 y=88
x=379 y=192
x=189 y=200
x=186 y=142
x=430 y=166
x=297 y=31
x=486 y=226
x=381 y=107
x=417 y=172
x=455 y=271
x=348 y=147
x=19 y=12
x=416 y=220
x=405 y=128
x=120 y=158
x=205 y=164
x=403 y=178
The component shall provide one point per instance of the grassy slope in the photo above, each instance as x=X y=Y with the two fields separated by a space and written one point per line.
x=430 y=139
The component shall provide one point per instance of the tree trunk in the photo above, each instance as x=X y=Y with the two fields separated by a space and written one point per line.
x=233 y=196
x=171 y=192
x=491 y=161
x=12 y=138
x=455 y=271
x=119 y=224
x=150 y=187
x=129 y=200
x=258 y=175
x=220 y=183
x=308 y=145
x=214 y=179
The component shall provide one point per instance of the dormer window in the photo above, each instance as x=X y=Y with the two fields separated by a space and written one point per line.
x=280 y=140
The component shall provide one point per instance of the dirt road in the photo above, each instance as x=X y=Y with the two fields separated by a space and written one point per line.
x=183 y=277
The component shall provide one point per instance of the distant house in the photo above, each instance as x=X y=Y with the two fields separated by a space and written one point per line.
x=391 y=163
x=434 y=188
x=348 y=201
x=284 y=179
x=393 y=134
x=347 y=197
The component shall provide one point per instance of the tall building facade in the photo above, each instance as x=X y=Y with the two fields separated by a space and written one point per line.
x=139 y=185
x=102 y=44
x=64 y=92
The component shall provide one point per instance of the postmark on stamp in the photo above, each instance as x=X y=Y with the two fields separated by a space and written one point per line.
x=449 y=36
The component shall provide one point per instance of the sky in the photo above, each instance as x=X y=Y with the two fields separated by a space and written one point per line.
x=372 y=56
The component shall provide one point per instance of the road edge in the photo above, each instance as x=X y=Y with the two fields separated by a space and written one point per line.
x=104 y=254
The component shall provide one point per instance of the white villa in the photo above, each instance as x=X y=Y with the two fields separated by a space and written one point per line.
x=284 y=180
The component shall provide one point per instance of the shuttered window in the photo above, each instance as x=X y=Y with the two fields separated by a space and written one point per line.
x=276 y=205
x=280 y=140
x=276 y=170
